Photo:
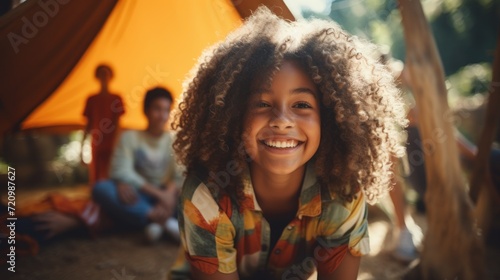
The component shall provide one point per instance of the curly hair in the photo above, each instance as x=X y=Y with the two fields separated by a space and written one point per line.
x=361 y=109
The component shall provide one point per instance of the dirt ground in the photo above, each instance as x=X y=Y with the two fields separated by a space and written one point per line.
x=127 y=256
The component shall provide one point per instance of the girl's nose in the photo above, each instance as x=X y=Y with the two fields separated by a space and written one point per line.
x=281 y=119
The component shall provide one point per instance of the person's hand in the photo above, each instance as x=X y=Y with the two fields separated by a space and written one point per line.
x=159 y=214
x=55 y=223
x=168 y=198
x=126 y=193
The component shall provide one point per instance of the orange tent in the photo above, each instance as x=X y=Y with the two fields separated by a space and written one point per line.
x=49 y=50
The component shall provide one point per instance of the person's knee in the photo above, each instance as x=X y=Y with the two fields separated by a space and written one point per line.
x=102 y=190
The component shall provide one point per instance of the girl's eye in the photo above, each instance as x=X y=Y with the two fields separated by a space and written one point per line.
x=262 y=104
x=302 y=105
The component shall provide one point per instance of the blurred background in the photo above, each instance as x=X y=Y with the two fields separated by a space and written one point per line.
x=155 y=43
x=464 y=30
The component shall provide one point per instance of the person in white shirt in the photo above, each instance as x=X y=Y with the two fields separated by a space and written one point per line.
x=144 y=178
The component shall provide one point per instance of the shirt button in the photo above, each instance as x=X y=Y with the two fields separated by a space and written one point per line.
x=289 y=227
x=277 y=251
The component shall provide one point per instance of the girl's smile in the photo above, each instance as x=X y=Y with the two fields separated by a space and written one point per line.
x=281 y=144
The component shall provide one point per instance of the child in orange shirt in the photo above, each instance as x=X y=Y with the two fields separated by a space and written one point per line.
x=102 y=111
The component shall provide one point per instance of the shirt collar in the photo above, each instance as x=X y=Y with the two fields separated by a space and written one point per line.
x=309 y=200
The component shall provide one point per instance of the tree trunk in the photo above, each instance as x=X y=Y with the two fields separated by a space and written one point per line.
x=482 y=191
x=479 y=179
x=481 y=171
x=452 y=248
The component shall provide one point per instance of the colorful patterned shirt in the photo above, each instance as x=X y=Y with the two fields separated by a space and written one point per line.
x=217 y=235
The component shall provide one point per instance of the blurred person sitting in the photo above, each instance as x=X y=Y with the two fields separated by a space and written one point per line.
x=145 y=180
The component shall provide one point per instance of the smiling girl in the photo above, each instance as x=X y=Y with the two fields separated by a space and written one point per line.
x=286 y=131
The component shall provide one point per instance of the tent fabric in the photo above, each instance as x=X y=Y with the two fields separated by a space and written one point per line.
x=40 y=43
x=278 y=7
x=147 y=43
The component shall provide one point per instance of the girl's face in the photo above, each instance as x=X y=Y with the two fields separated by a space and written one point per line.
x=282 y=126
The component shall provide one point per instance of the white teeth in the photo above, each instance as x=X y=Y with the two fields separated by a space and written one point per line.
x=282 y=144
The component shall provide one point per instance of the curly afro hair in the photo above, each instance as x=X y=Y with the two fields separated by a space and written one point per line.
x=361 y=109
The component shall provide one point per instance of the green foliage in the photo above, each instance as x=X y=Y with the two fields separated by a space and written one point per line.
x=471 y=79
x=465 y=31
